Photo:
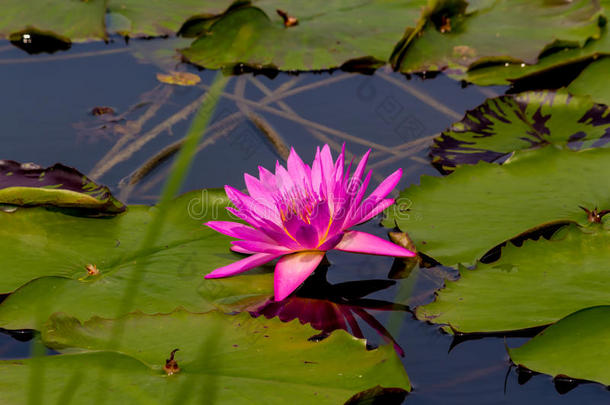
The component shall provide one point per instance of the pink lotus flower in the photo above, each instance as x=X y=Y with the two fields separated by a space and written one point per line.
x=300 y=213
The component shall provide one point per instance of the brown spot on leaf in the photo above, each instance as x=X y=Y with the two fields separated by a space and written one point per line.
x=171 y=366
x=92 y=270
x=594 y=216
x=289 y=21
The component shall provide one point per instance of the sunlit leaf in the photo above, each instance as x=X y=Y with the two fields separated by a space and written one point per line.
x=576 y=346
x=53 y=249
x=68 y=20
x=529 y=286
x=328 y=35
x=458 y=218
x=148 y=18
x=496 y=33
x=232 y=359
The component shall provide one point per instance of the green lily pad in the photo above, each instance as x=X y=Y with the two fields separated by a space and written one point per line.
x=328 y=34
x=53 y=249
x=507 y=73
x=529 y=286
x=521 y=121
x=496 y=33
x=65 y=19
x=58 y=185
x=576 y=346
x=148 y=18
x=232 y=359
x=593 y=81
x=458 y=218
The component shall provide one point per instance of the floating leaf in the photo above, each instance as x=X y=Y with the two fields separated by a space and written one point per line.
x=576 y=346
x=494 y=34
x=520 y=121
x=149 y=18
x=233 y=359
x=28 y=184
x=66 y=20
x=53 y=250
x=329 y=34
x=179 y=78
x=529 y=286
x=458 y=218
x=557 y=63
x=593 y=81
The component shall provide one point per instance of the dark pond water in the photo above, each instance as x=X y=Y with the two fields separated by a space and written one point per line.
x=45 y=110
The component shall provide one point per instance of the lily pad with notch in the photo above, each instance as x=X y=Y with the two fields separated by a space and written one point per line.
x=234 y=359
x=530 y=286
x=46 y=257
x=459 y=218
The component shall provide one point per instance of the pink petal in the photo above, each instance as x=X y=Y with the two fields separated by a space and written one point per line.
x=307 y=235
x=292 y=270
x=300 y=172
x=239 y=231
x=266 y=177
x=376 y=211
x=248 y=205
x=376 y=196
x=362 y=242
x=242 y=265
x=260 y=247
x=316 y=174
x=241 y=250
x=260 y=191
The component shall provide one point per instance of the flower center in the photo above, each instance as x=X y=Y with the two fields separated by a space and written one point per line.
x=297 y=202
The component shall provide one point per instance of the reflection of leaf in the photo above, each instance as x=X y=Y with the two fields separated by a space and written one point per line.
x=67 y=20
x=576 y=346
x=529 y=286
x=237 y=359
x=513 y=122
x=179 y=78
x=52 y=249
x=329 y=34
x=497 y=33
x=466 y=214
x=593 y=81
x=62 y=186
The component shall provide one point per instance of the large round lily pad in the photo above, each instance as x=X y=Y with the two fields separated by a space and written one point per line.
x=68 y=20
x=529 y=286
x=222 y=359
x=328 y=34
x=576 y=346
x=496 y=33
x=522 y=121
x=51 y=251
x=458 y=218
